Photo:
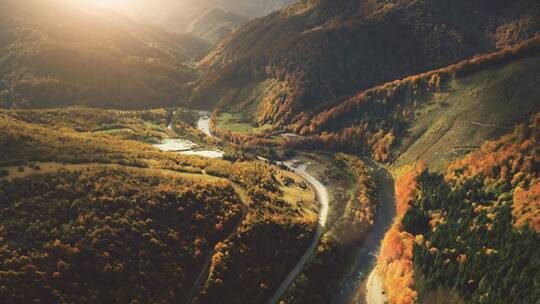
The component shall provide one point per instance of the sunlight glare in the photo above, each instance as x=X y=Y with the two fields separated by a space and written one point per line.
x=116 y=5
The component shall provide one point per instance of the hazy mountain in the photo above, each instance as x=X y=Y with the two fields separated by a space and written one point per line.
x=178 y=15
x=54 y=54
x=216 y=24
x=253 y=8
x=315 y=53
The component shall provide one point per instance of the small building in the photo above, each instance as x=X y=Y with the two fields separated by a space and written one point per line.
x=295 y=163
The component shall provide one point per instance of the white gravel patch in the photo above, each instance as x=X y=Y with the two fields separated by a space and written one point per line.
x=205 y=153
x=176 y=145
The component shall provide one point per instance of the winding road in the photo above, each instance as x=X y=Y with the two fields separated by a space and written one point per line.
x=322 y=195
x=324 y=200
x=365 y=258
x=206 y=267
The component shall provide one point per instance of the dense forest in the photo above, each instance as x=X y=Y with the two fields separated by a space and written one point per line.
x=394 y=260
x=106 y=235
x=472 y=232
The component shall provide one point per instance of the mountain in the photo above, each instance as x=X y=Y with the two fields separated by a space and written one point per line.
x=433 y=116
x=216 y=24
x=55 y=54
x=316 y=53
x=177 y=16
x=253 y=8
x=462 y=143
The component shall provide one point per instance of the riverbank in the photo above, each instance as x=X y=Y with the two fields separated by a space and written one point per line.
x=365 y=256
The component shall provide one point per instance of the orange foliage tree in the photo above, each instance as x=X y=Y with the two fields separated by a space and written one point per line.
x=395 y=259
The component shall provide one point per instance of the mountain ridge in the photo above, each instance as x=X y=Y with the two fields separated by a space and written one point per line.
x=54 y=54
x=319 y=52
x=215 y=24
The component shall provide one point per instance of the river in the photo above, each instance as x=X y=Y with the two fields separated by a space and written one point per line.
x=203 y=123
x=365 y=256
x=187 y=147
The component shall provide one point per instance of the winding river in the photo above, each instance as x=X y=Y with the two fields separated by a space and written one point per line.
x=187 y=147
x=366 y=255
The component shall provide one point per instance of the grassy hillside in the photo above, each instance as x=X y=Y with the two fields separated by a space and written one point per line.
x=53 y=54
x=320 y=52
x=434 y=116
x=458 y=119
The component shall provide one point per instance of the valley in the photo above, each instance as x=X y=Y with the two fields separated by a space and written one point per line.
x=158 y=166
x=281 y=152
x=364 y=259
x=366 y=253
x=155 y=165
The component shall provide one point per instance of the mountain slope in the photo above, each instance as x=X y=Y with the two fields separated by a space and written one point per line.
x=473 y=230
x=435 y=115
x=53 y=54
x=176 y=16
x=216 y=24
x=315 y=53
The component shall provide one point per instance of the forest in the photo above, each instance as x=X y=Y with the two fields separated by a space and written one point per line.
x=253 y=261
x=472 y=232
x=395 y=258
x=320 y=53
x=107 y=236
x=59 y=149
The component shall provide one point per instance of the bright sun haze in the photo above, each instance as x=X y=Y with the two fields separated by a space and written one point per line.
x=117 y=5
